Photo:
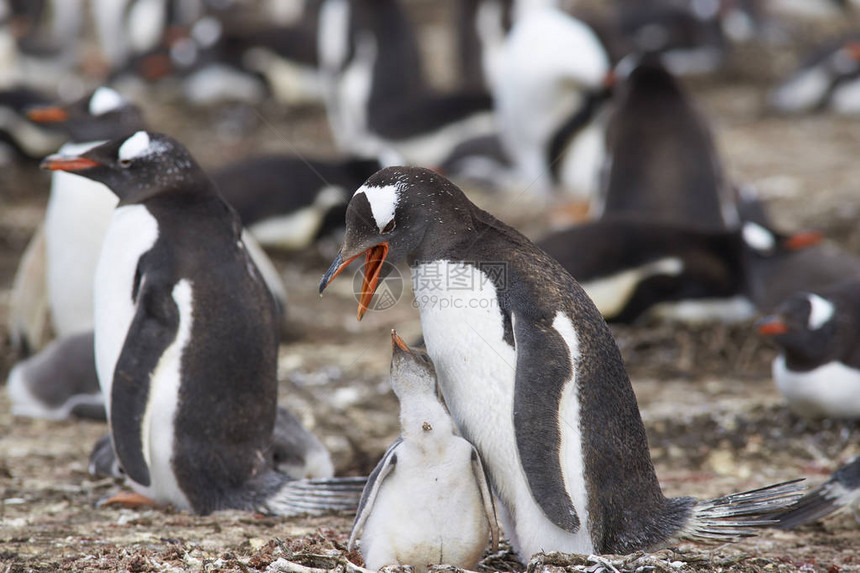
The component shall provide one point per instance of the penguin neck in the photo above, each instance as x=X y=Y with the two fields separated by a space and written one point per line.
x=424 y=418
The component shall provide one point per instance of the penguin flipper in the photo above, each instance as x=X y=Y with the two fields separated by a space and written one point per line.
x=103 y=462
x=152 y=330
x=541 y=377
x=371 y=489
x=486 y=497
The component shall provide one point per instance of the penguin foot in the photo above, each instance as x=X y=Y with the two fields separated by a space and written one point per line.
x=128 y=499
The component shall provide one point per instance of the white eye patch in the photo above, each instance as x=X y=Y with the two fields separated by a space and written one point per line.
x=135 y=146
x=105 y=100
x=383 y=202
x=758 y=237
x=821 y=312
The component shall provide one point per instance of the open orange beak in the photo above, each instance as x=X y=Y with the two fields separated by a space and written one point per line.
x=374 y=257
x=397 y=342
x=48 y=114
x=771 y=326
x=71 y=164
x=803 y=239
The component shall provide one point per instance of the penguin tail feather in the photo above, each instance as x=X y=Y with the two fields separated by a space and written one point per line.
x=739 y=515
x=314 y=496
x=827 y=498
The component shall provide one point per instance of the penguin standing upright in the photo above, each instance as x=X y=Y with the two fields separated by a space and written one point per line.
x=662 y=162
x=428 y=501
x=531 y=375
x=186 y=338
x=818 y=368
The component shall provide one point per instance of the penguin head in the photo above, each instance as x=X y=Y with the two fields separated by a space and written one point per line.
x=804 y=325
x=135 y=168
x=101 y=115
x=387 y=221
x=412 y=372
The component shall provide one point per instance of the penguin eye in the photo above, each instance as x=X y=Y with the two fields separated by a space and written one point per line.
x=125 y=163
x=389 y=227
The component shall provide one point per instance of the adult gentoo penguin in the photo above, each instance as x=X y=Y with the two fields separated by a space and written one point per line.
x=186 y=338
x=818 y=368
x=428 y=501
x=662 y=161
x=841 y=491
x=531 y=375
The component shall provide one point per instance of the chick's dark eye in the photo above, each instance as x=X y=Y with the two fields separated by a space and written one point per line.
x=389 y=227
x=125 y=162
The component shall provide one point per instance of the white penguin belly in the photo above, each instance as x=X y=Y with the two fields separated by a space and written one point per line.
x=132 y=232
x=78 y=214
x=434 y=147
x=428 y=511
x=831 y=390
x=464 y=334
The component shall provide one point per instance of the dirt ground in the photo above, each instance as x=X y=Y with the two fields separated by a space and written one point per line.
x=715 y=421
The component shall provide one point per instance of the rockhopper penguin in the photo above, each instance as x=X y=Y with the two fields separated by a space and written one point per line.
x=186 y=339
x=428 y=501
x=531 y=375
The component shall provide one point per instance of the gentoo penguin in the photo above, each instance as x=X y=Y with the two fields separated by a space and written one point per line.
x=378 y=101
x=636 y=268
x=58 y=382
x=662 y=162
x=531 y=375
x=550 y=86
x=828 y=79
x=190 y=395
x=687 y=35
x=24 y=138
x=292 y=216
x=79 y=209
x=841 y=491
x=294 y=451
x=818 y=368
x=427 y=502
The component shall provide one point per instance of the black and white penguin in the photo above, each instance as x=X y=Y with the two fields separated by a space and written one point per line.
x=662 y=162
x=293 y=216
x=828 y=79
x=23 y=138
x=428 y=471
x=377 y=99
x=634 y=268
x=840 y=492
x=531 y=375
x=190 y=395
x=552 y=76
x=58 y=382
x=294 y=451
x=818 y=368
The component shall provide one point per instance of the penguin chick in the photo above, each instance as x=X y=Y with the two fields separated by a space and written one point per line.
x=427 y=502
x=841 y=491
x=818 y=368
x=186 y=339
x=531 y=375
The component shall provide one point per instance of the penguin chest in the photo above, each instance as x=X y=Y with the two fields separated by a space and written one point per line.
x=464 y=332
x=831 y=390
x=78 y=214
x=428 y=511
x=131 y=233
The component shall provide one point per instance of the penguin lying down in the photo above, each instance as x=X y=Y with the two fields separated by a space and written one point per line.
x=532 y=377
x=428 y=501
x=186 y=340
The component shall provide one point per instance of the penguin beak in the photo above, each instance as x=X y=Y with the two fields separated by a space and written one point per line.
x=397 y=343
x=802 y=240
x=47 y=114
x=374 y=257
x=65 y=163
x=771 y=326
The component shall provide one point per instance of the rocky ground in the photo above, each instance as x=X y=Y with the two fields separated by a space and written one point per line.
x=715 y=421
